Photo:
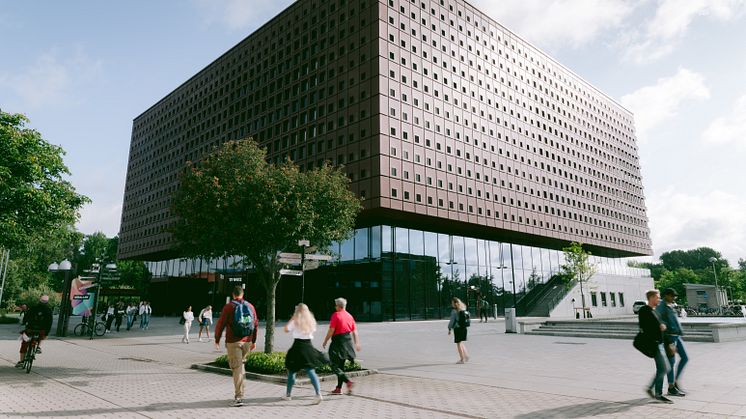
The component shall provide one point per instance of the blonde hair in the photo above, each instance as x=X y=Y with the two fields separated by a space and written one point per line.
x=651 y=293
x=460 y=306
x=303 y=319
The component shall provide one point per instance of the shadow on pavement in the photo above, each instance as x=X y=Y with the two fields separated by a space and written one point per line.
x=155 y=407
x=406 y=367
x=586 y=409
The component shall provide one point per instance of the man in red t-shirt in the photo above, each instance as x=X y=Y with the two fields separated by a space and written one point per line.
x=237 y=347
x=343 y=333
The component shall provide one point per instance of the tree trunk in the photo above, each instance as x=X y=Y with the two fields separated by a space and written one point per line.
x=269 y=333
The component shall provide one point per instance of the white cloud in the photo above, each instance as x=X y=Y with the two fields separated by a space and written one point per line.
x=100 y=217
x=55 y=78
x=671 y=22
x=715 y=219
x=554 y=23
x=240 y=14
x=730 y=128
x=653 y=105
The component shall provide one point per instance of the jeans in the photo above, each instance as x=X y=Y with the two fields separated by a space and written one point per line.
x=130 y=320
x=681 y=350
x=661 y=368
x=311 y=375
x=146 y=320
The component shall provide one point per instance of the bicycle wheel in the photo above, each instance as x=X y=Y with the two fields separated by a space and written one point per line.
x=100 y=329
x=30 y=355
x=79 y=330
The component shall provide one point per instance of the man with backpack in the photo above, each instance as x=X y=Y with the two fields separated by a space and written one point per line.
x=37 y=320
x=240 y=322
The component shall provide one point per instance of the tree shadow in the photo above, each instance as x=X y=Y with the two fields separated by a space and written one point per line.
x=586 y=409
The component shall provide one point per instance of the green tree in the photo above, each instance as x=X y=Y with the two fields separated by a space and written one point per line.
x=578 y=267
x=35 y=198
x=676 y=280
x=694 y=259
x=235 y=203
x=96 y=247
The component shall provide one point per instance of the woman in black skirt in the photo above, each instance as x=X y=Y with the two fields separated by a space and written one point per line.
x=459 y=324
x=302 y=355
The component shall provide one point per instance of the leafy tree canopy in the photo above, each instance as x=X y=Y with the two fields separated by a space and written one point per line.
x=35 y=198
x=234 y=203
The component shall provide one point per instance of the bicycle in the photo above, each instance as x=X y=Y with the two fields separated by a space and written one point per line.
x=84 y=328
x=33 y=345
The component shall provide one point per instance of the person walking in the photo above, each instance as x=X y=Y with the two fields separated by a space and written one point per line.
x=131 y=310
x=343 y=333
x=140 y=311
x=109 y=317
x=241 y=325
x=673 y=342
x=302 y=355
x=458 y=324
x=484 y=310
x=118 y=315
x=205 y=321
x=652 y=333
x=38 y=319
x=145 y=312
x=188 y=317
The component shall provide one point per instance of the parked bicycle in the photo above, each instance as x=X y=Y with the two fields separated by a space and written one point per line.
x=84 y=328
x=33 y=345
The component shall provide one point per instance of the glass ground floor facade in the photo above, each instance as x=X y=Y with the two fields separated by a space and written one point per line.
x=385 y=272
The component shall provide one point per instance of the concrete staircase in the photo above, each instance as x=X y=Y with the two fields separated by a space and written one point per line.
x=608 y=329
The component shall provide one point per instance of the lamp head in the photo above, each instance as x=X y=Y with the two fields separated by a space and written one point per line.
x=53 y=267
x=65 y=265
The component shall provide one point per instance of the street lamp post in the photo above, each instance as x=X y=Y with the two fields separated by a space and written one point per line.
x=717 y=288
x=64 y=316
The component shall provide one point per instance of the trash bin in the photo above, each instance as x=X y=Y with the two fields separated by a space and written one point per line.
x=511 y=323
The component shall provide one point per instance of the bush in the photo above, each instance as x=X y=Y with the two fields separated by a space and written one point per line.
x=8 y=320
x=274 y=364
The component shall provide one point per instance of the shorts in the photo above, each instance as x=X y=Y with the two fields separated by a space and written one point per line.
x=205 y=322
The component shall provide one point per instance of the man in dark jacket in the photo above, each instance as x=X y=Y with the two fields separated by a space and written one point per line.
x=652 y=331
x=37 y=320
x=672 y=338
x=237 y=346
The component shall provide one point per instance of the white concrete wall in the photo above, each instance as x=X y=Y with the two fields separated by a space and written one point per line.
x=633 y=288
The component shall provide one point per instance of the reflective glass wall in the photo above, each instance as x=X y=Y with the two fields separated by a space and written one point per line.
x=419 y=271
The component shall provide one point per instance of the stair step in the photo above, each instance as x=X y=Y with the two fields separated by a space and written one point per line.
x=584 y=334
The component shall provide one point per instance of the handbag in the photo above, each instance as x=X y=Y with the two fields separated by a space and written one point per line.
x=644 y=345
x=182 y=320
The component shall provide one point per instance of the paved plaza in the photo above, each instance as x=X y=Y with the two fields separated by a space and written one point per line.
x=146 y=374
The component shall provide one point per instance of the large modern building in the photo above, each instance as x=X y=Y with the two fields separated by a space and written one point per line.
x=477 y=157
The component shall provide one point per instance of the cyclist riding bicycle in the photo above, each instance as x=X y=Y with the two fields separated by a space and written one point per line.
x=37 y=320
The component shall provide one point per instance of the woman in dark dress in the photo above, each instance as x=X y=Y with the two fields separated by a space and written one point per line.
x=652 y=331
x=459 y=324
x=302 y=355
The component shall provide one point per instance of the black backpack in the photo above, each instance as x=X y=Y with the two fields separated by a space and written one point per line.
x=463 y=319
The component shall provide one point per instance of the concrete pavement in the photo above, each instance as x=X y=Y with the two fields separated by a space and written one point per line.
x=145 y=374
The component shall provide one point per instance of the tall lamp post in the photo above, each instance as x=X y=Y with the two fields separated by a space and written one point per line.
x=65 y=266
x=717 y=288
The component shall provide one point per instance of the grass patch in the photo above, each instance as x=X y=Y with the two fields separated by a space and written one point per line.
x=274 y=364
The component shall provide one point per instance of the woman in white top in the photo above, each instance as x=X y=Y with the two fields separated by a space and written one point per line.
x=302 y=355
x=188 y=319
x=205 y=320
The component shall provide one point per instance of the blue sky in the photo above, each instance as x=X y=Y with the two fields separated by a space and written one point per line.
x=82 y=70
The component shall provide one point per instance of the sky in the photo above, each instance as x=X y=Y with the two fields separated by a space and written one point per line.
x=82 y=70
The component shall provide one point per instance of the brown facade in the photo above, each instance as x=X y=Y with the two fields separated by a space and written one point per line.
x=437 y=113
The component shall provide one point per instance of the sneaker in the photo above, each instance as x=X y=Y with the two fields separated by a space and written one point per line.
x=466 y=358
x=38 y=350
x=673 y=391
x=286 y=397
x=237 y=403
x=664 y=399
x=349 y=387
x=336 y=391
x=19 y=364
x=318 y=399
x=460 y=361
x=679 y=390
x=650 y=392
